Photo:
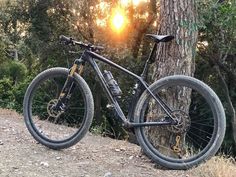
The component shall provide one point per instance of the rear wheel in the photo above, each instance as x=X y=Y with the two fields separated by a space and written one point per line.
x=52 y=128
x=200 y=120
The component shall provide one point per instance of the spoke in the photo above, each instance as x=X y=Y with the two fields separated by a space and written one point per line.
x=200 y=106
x=193 y=140
x=40 y=101
x=75 y=121
x=201 y=124
x=201 y=114
x=76 y=108
x=202 y=120
x=39 y=127
x=201 y=130
x=199 y=137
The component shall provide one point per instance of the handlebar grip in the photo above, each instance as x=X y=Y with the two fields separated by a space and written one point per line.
x=66 y=40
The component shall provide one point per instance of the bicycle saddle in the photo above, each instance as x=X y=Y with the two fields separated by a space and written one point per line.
x=160 y=38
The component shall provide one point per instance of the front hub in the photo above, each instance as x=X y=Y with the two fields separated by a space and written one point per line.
x=51 y=109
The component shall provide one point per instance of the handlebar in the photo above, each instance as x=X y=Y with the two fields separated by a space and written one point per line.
x=69 y=40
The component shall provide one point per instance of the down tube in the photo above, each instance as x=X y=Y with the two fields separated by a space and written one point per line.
x=157 y=98
x=107 y=91
x=101 y=78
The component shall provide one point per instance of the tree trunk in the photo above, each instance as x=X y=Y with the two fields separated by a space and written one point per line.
x=178 y=18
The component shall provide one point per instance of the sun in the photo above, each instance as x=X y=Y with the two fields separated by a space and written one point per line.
x=118 y=20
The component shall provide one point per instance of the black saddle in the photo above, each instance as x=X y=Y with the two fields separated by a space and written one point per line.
x=160 y=38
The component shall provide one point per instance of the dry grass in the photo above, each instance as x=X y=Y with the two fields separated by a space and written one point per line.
x=219 y=166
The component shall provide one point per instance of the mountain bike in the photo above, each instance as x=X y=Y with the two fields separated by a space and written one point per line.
x=178 y=120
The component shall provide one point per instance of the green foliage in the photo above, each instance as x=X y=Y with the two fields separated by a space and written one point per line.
x=216 y=48
x=6 y=94
x=19 y=92
x=14 y=70
x=3 y=46
x=11 y=96
x=218 y=26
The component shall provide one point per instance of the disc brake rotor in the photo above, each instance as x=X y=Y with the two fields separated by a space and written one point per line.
x=183 y=122
x=53 y=113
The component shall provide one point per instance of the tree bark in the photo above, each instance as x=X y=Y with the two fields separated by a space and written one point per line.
x=178 y=18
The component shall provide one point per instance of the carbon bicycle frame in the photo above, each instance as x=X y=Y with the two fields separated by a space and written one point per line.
x=89 y=56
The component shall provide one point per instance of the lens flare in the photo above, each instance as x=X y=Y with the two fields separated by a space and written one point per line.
x=119 y=20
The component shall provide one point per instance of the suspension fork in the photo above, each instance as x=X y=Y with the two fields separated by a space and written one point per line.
x=69 y=86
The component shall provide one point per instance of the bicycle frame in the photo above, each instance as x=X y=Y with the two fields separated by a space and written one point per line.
x=89 y=56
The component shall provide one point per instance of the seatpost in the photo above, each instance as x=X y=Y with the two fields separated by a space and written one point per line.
x=150 y=60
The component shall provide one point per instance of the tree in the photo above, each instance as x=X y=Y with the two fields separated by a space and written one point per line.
x=2 y=47
x=217 y=54
x=178 y=18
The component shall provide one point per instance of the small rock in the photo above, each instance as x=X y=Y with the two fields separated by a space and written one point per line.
x=108 y=174
x=1 y=143
x=58 y=158
x=131 y=157
x=117 y=150
x=122 y=149
x=73 y=148
x=15 y=168
x=44 y=164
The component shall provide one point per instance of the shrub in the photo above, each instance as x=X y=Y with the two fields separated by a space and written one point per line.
x=19 y=92
x=14 y=70
x=6 y=94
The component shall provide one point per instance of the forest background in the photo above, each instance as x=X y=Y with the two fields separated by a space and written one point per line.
x=29 y=44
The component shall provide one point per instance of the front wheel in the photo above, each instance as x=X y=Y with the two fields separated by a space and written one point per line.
x=200 y=119
x=57 y=129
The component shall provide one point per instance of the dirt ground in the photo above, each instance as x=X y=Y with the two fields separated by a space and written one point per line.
x=93 y=156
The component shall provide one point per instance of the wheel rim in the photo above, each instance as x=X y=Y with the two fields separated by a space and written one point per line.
x=64 y=126
x=192 y=135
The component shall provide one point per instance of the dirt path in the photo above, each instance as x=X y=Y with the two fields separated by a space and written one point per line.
x=94 y=156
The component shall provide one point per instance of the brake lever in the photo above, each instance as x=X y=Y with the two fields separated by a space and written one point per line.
x=67 y=40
